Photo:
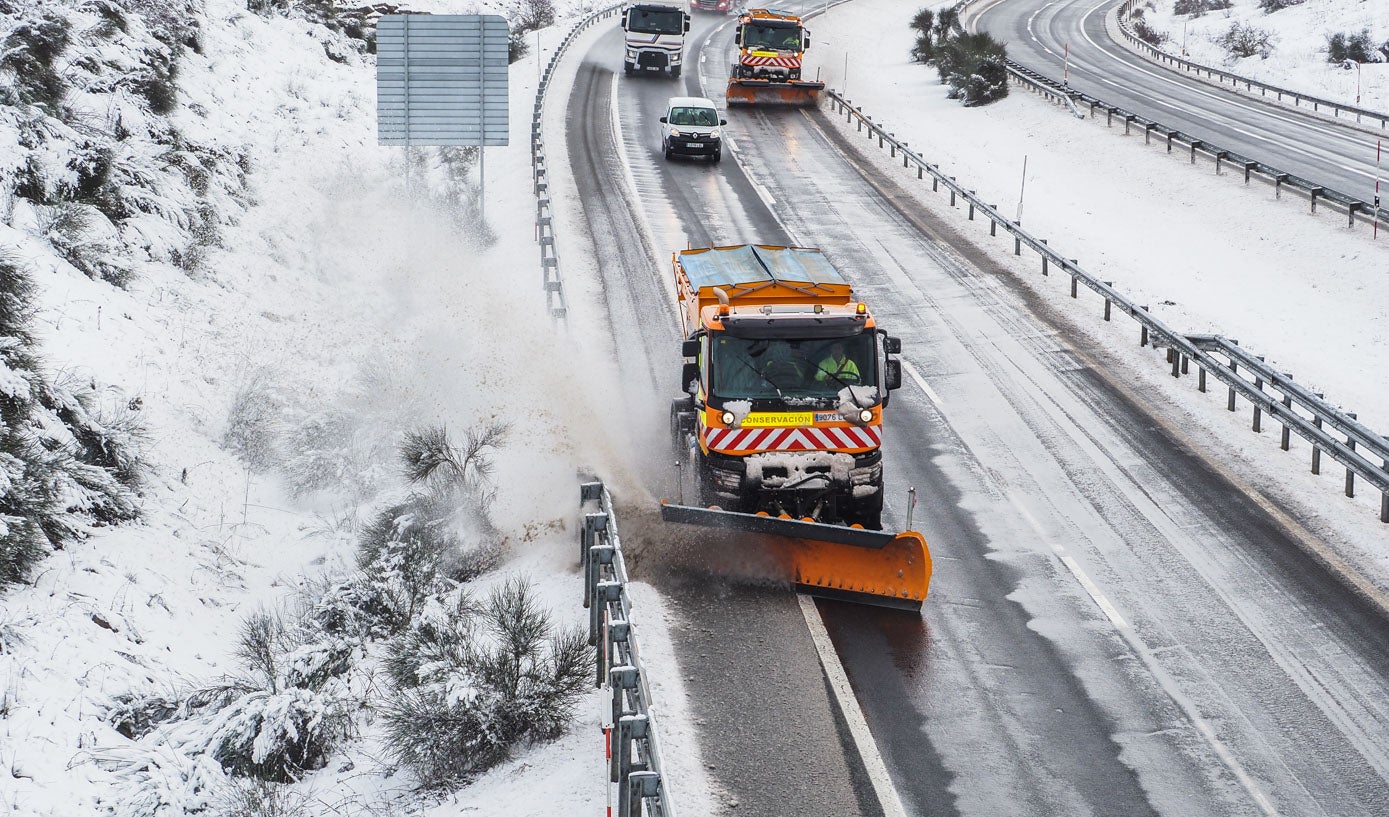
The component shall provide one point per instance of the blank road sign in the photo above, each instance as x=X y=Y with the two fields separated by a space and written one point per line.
x=441 y=79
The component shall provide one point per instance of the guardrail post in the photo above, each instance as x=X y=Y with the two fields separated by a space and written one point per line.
x=1384 y=498
x=588 y=537
x=1201 y=379
x=1350 y=474
x=971 y=205
x=615 y=632
x=1219 y=157
x=1350 y=213
x=993 y=222
x=952 y=196
x=621 y=679
x=1316 y=449
x=1287 y=429
x=1108 y=304
x=603 y=592
x=1045 y=260
x=629 y=728
x=1169 y=141
x=1278 y=180
x=1143 y=330
x=640 y=785
x=1195 y=143
x=1248 y=170
x=1258 y=410
x=1074 y=278
x=1316 y=191
x=1109 y=118
x=1148 y=133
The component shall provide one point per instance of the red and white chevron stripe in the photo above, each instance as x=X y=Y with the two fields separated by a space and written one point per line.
x=752 y=440
x=779 y=62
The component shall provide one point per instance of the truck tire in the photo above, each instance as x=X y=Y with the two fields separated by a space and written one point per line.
x=668 y=153
x=675 y=72
x=627 y=68
x=869 y=512
x=718 y=155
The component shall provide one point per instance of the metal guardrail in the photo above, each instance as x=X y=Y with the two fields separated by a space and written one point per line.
x=631 y=736
x=1350 y=205
x=544 y=206
x=1269 y=391
x=1235 y=80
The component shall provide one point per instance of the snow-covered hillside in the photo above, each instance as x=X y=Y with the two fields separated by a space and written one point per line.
x=1297 y=36
x=220 y=249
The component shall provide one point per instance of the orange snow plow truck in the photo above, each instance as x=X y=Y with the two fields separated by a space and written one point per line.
x=771 y=49
x=779 y=432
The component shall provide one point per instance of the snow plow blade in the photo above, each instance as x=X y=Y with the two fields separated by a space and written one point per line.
x=798 y=93
x=831 y=561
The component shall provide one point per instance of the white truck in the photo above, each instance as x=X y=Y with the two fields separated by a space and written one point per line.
x=655 y=38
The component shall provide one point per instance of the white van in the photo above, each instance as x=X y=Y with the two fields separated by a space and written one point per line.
x=692 y=127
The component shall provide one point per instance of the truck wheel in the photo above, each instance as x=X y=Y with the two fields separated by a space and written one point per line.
x=627 y=69
x=668 y=152
x=675 y=72
x=718 y=154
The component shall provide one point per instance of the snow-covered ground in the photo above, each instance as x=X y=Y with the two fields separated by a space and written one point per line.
x=335 y=306
x=1298 y=35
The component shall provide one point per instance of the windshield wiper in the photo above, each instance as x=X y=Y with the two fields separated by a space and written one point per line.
x=765 y=378
x=846 y=384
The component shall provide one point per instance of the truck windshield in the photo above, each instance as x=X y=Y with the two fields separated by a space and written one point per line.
x=645 y=21
x=760 y=368
x=779 y=37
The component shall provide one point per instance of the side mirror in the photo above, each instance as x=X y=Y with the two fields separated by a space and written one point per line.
x=891 y=345
x=624 y=22
x=689 y=378
x=687 y=22
x=738 y=37
x=894 y=375
x=806 y=44
x=663 y=120
x=689 y=348
x=723 y=121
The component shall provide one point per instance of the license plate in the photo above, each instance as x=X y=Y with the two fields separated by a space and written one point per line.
x=694 y=144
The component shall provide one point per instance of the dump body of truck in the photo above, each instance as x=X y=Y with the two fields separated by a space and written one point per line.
x=786 y=380
x=771 y=52
x=654 y=36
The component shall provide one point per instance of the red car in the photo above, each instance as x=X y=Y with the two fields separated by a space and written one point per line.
x=724 y=6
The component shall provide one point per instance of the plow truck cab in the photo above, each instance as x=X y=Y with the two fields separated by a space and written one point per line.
x=655 y=38
x=780 y=430
x=771 y=52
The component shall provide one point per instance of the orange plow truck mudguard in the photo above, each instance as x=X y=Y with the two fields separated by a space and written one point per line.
x=830 y=561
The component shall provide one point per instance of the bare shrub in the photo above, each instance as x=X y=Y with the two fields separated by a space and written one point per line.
x=31 y=50
x=1341 y=47
x=253 y=421
x=1270 y=6
x=260 y=798
x=1147 y=33
x=1197 y=8
x=533 y=14
x=1242 y=40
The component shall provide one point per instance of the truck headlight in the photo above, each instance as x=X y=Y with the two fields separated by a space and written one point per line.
x=674 y=132
x=631 y=55
x=714 y=134
x=866 y=416
x=727 y=418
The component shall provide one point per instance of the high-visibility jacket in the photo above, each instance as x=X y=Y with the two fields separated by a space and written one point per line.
x=844 y=369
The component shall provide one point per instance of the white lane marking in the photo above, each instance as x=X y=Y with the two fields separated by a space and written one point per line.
x=762 y=192
x=873 y=763
x=921 y=382
x=1129 y=635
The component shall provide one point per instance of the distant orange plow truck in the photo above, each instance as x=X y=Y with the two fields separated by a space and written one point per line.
x=779 y=432
x=771 y=50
